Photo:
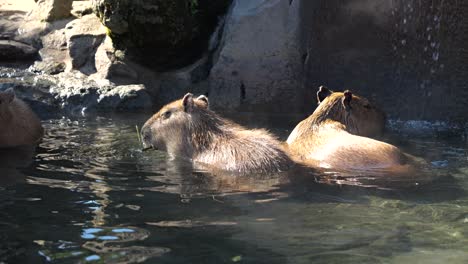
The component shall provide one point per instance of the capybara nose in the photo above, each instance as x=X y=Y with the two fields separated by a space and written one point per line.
x=146 y=138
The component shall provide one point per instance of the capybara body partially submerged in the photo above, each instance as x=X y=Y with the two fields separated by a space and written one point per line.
x=335 y=135
x=19 y=125
x=187 y=128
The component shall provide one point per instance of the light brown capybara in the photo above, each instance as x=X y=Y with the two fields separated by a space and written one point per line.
x=19 y=125
x=335 y=135
x=187 y=128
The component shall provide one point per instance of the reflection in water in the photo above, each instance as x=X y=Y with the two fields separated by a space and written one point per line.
x=11 y=159
x=91 y=164
x=91 y=195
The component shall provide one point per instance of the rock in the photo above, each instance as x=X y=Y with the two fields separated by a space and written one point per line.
x=109 y=66
x=74 y=93
x=125 y=98
x=409 y=57
x=81 y=8
x=83 y=38
x=49 y=67
x=258 y=65
x=78 y=94
x=10 y=21
x=13 y=50
x=50 y=10
x=158 y=33
x=54 y=54
x=33 y=29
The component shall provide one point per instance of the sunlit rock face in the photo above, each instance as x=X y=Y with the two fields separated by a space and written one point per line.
x=258 y=66
x=161 y=34
x=409 y=56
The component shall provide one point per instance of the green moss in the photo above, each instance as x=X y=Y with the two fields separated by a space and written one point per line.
x=193 y=7
x=108 y=32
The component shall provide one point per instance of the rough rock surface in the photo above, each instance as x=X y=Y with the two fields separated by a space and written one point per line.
x=10 y=21
x=74 y=93
x=409 y=56
x=50 y=10
x=82 y=8
x=258 y=66
x=83 y=37
x=54 y=53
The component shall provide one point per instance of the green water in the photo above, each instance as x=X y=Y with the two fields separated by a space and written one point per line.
x=89 y=195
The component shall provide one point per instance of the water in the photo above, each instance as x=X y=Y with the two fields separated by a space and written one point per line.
x=89 y=195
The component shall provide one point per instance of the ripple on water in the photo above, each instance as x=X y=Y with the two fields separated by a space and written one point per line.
x=113 y=203
x=103 y=243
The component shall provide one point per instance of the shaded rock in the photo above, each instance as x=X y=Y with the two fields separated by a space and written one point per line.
x=13 y=50
x=409 y=56
x=83 y=38
x=168 y=86
x=258 y=65
x=109 y=66
x=54 y=54
x=50 y=10
x=34 y=92
x=158 y=33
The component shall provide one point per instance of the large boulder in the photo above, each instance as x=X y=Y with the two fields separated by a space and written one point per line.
x=258 y=64
x=158 y=33
x=50 y=10
x=83 y=37
x=409 y=56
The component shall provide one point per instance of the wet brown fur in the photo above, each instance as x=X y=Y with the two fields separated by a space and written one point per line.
x=335 y=136
x=212 y=141
x=19 y=125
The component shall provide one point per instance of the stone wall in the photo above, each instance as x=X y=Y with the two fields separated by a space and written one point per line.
x=410 y=56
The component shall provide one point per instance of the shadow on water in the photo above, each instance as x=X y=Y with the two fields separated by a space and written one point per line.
x=90 y=194
x=11 y=160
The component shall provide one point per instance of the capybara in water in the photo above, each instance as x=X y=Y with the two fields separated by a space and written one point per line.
x=187 y=128
x=335 y=135
x=19 y=125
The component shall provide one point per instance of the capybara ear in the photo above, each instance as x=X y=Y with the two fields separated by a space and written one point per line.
x=204 y=100
x=346 y=101
x=187 y=102
x=322 y=93
x=9 y=95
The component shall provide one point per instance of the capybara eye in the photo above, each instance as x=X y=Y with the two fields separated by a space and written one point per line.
x=166 y=114
x=367 y=106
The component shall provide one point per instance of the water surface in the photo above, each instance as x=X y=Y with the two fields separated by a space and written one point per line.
x=90 y=195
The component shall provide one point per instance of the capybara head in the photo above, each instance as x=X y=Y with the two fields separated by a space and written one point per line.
x=170 y=128
x=359 y=116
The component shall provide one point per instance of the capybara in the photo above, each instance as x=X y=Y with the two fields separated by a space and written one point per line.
x=187 y=128
x=335 y=135
x=19 y=125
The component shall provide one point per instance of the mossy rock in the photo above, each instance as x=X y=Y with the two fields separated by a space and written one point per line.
x=161 y=34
